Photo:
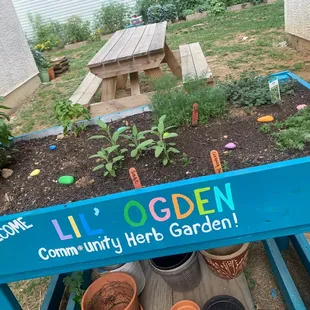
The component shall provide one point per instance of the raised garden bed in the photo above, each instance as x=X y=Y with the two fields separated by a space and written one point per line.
x=72 y=157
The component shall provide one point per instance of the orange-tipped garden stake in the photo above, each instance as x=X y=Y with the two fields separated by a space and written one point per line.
x=135 y=178
x=195 y=115
x=215 y=157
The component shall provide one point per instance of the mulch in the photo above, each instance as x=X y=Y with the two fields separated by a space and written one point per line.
x=72 y=158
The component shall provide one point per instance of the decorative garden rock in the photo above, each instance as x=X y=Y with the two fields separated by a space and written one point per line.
x=230 y=146
x=265 y=119
x=6 y=173
x=66 y=180
x=35 y=172
x=227 y=262
x=301 y=106
x=52 y=147
x=60 y=136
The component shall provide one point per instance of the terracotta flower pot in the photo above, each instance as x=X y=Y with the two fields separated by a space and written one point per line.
x=227 y=262
x=51 y=74
x=112 y=291
x=185 y=305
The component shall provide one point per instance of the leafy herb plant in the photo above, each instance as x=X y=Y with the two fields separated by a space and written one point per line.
x=112 y=161
x=74 y=283
x=138 y=142
x=162 y=147
x=68 y=114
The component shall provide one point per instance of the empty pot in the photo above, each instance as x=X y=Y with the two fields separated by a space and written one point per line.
x=223 y=302
x=181 y=272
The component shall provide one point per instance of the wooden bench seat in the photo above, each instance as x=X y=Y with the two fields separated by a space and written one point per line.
x=194 y=63
x=86 y=91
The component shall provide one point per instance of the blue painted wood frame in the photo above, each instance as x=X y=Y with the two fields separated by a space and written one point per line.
x=302 y=247
x=218 y=210
x=7 y=299
x=288 y=289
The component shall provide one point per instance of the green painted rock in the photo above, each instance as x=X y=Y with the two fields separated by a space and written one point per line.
x=66 y=179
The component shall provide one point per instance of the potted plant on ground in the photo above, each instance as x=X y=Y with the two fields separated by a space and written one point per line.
x=42 y=65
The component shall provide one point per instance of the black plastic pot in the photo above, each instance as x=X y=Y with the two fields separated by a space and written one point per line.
x=223 y=302
x=170 y=262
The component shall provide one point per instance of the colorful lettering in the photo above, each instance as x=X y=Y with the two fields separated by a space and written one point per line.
x=59 y=231
x=177 y=206
x=201 y=202
x=88 y=230
x=74 y=226
x=166 y=210
x=219 y=196
x=134 y=203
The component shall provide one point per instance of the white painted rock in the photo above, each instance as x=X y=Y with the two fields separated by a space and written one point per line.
x=6 y=173
x=301 y=106
x=230 y=146
x=60 y=137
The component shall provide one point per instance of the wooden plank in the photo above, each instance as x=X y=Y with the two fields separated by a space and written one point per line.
x=128 y=66
x=54 y=293
x=302 y=247
x=157 y=295
x=172 y=62
x=159 y=38
x=98 y=58
x=145 y=42
x=188 y=66
x=112 y=56
x=82 y=88
x=102 y=108
x=90 y=92
x=282 y=243
x=132 y=44
x=287 y=286
x=134 y=83
x=7 y=299
x=108 y=89
x=154 y=73
x=122 y=81
x=203 y=70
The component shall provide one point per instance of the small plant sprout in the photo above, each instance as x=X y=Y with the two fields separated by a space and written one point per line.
x=186 y=160
x=138 y=142
x=265 y=128
x=74 y=283
x=162 y=147
x=112 y=161
x=225 y=166
x=112 y=139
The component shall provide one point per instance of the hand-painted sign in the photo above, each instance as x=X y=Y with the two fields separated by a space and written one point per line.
x=206 y=212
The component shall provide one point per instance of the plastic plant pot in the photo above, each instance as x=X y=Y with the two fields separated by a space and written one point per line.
x=44 y=76
x=223 y=302
x=185 y=305
x=181 y=272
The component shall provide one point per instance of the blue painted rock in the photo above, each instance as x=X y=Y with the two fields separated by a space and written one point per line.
x=66 y=180
x=230 y=146
x=52 y=147
x=301 y=106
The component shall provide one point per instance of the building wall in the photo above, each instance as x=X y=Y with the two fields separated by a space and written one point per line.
x=16 y=61
x=297 y=18
x=59 y=10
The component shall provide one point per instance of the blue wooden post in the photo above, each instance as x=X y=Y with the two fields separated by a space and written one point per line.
x=283 y=243
x=284 y=279
x=302 y=247
x=7 y=299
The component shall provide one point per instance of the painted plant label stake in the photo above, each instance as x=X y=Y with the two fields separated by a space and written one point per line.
x=274 y=89
x=215 y=157
x=195 y=115
x=135 y=178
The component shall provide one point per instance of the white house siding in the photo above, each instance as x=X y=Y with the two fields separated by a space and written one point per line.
x=297 y=18
x=59 y=10
x=16 y=61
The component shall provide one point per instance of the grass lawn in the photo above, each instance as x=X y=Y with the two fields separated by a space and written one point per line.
x=221 y=38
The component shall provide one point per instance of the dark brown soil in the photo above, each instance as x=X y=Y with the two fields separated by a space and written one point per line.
x=112 y=296
x=72 y=158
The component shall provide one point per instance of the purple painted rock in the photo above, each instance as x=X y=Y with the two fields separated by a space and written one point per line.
x=230 y=146
x=301 y=106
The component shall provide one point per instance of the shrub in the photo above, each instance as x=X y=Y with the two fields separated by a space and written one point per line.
x=216 y=7
x=170 y=12
x=177 y=103
x=77 y=30
x=111 y=18
x=156 y=14
x=39 y=59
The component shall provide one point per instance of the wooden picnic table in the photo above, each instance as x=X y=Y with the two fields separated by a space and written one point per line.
x=130 y=51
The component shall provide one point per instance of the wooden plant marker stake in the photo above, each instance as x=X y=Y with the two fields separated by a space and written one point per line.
x=195 y=115
x=135 y=178
x=215 y=157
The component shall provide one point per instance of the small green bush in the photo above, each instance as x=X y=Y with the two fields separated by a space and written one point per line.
x=77 y=30
x=177 y=103
x=170 y=12
x=156 y=14
x=111 y=17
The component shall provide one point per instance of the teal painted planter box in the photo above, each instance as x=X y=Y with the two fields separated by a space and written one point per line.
x=213 y=211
